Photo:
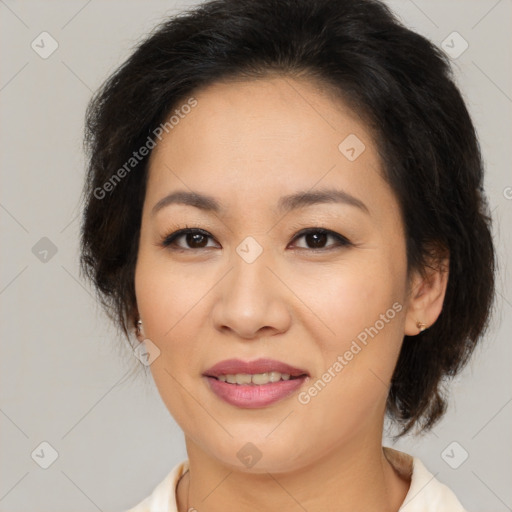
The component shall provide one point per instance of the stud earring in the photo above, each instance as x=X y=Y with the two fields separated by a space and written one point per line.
x=139 y=325
x=421 y=326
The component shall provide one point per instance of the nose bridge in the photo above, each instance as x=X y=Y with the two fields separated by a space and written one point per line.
x=250 y=275
x=251 y=296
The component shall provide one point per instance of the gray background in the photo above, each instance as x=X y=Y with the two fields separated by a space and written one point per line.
x=64 y=379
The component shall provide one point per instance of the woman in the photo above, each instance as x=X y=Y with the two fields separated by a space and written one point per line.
x=284 y=201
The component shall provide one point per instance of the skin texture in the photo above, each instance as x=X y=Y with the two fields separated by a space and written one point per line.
x=248 y=143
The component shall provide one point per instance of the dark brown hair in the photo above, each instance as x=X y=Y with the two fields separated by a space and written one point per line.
x=396 y=79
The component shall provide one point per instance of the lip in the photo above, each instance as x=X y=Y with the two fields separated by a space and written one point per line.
x=250 y=396
x=233 y=366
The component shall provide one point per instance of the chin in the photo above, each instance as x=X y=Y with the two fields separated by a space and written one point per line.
x=257 y=454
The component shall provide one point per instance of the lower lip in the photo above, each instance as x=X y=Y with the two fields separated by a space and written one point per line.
x=250 y=396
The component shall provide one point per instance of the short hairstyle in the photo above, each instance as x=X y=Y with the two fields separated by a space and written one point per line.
x=395 y=79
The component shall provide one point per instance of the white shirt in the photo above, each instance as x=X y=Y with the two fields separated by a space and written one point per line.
x=426 y=493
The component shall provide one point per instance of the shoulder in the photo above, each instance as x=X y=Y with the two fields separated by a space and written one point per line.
x=426 y=493
x=163 y=497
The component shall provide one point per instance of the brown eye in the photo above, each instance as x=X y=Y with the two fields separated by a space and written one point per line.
x=194 y=239
x=316 y=239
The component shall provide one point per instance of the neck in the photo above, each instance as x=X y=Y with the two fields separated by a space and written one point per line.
x=353 y=477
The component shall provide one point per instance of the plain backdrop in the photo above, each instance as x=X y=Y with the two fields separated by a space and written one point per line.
x=64 y=375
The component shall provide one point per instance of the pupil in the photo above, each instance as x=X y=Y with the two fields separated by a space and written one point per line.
x=194 y=239
x=314 y=237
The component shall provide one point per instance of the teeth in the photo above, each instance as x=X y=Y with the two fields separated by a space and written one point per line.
x=257 y=379
x=242 y=378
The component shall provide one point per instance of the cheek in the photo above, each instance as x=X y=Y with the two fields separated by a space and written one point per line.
x=365 y=311
x=351 y=298
x=363 y=306
x=168 y=303
x=164 y=294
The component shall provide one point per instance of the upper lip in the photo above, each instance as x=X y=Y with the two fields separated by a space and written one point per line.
x=234 y=366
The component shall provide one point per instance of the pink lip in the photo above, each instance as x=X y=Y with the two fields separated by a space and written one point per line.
x=250 y=396
x=232 y=366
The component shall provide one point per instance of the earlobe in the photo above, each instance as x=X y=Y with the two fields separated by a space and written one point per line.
x=427 y=297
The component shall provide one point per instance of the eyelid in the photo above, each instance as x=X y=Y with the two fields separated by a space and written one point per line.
x=168 y=240
x=340 y=239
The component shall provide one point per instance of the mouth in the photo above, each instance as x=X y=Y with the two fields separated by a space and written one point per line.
x=258 y=372
x=254 y=384
x=256 y=379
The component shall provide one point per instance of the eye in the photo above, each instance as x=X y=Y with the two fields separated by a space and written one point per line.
x=196 y=238
x=317 y=237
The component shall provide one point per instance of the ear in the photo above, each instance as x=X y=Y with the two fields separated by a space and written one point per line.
x=427 y=292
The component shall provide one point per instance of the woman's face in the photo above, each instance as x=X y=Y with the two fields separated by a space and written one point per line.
x=250 y=286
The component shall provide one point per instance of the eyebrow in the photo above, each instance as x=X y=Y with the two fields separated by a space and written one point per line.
x=285 y=204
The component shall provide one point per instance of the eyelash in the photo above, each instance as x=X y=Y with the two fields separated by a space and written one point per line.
x=169 y=241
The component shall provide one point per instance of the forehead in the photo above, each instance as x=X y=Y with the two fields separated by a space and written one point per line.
x=255 y=137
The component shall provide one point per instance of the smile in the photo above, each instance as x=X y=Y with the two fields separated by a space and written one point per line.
x=256 y=379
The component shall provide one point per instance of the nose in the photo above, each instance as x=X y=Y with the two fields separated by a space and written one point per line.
x=252 y=301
